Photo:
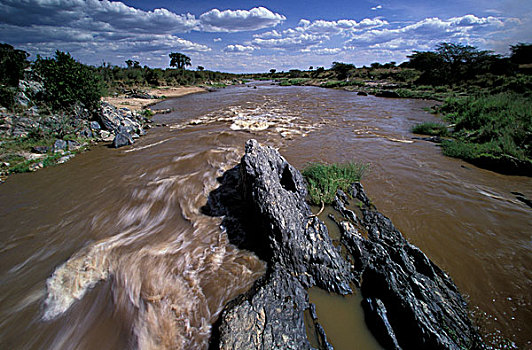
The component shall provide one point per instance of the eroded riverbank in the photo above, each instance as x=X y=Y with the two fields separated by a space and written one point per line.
x=141 y=203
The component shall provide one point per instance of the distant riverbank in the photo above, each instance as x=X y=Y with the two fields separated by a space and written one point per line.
x=151 y=96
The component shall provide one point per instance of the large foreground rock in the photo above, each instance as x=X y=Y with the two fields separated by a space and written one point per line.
x=263 y=204
x=409 y=302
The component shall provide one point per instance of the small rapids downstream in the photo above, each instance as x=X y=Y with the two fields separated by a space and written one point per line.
x=111 y=250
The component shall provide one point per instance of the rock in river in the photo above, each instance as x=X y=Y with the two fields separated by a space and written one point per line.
x=410 y=303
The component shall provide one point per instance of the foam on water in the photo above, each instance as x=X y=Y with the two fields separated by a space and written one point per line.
x=163 y=280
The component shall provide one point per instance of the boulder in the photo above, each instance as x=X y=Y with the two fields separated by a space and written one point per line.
x=95 y=126
x=387 y=93
x=109 y=117
x=123 y=138
x=40 y=149
x=60 y=146
x=73 y=145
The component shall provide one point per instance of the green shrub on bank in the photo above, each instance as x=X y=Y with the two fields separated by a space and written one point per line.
x=503 y=122
x=429 y=128
x=325 y=179
x=68 y=82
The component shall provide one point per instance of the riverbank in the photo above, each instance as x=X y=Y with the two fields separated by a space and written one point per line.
x=32 y=138
x=151 y=96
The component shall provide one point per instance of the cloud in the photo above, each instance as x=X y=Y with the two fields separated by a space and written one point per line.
x=94 y=15
x=468 y=28
x=308 y=34
x=324 y=51
x=299 y=42
x=95 y=30
x=217 y=40
x=378 y=7
x=239 y=20
x=239 y=48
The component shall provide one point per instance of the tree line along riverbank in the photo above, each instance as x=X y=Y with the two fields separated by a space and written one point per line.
x=486 y=108
x=486 y=105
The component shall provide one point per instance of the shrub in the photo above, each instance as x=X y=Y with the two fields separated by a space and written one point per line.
x=495 y=125
x=67 y=82
x=434 y=129
x=12 y=64
x=325 y=179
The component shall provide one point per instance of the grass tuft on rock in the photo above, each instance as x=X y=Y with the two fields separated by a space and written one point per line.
x=324 y=179
x=429 y=128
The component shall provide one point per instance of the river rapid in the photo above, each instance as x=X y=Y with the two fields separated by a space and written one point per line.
x=111 y=250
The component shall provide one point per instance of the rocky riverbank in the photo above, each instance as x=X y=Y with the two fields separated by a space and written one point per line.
x=409 y=302
x=32 y=136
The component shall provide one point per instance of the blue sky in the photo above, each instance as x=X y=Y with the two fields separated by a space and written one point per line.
x=255 y=36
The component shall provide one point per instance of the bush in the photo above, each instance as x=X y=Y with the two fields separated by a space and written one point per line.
x=67 y=82
x=324 y=180
x=12 y=65
x=496 y=125
x=434 y=129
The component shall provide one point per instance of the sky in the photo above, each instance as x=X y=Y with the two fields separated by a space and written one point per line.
x=246 y=36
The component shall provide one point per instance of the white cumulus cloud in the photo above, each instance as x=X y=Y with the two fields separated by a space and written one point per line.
x=239 y=20
x=239 y=48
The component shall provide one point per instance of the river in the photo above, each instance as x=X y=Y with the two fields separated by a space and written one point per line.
x=111 y=250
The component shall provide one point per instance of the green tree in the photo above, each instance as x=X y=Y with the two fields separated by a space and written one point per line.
x=272 y=71
x=342 y=69
x=179 y=60
x=12 y=64
x=201 y=68
x=521 y=53
x=68 y=82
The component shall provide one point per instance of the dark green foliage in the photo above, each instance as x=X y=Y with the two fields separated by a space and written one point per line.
x=434 y=129
x=68 y=82
x=324 y=179
x=455 y=63
x=7 y=96
x=521 y=53
x=179 y=60
x=342 y=69
x=12 y=65
x=495 y=126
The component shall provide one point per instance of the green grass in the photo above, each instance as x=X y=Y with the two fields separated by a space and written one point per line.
x=498 y=124
x=294 y=81
x=324 y=179
x=341 y=83
x=429 y=128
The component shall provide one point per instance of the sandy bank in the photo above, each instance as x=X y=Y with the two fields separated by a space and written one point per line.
x=141 y=103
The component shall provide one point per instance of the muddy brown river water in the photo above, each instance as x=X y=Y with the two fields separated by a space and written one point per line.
x=111 y=251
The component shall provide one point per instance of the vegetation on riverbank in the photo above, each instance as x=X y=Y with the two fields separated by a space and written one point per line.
x=324 y=180
x=429 y=128
x=487 y=96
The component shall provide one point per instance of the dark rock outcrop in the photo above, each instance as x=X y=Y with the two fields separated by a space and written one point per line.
x=409 y=302
x=387 y=93
x=264 y=208
x=122 y=138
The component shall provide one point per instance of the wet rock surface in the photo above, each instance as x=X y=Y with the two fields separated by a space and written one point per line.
x=264 y=208
x=409 y=302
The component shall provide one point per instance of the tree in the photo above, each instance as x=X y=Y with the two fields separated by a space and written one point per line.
x=521 y=53
x=179 y=60
x=342 y=69
x=272 y=71
x=12 y=64
x=67 y=82
x=201 y=68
